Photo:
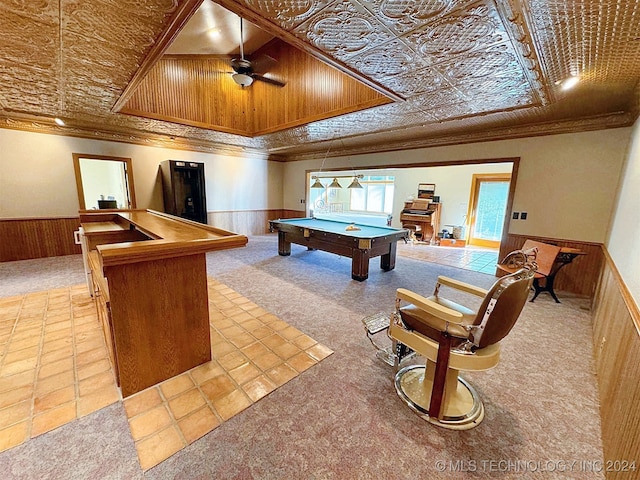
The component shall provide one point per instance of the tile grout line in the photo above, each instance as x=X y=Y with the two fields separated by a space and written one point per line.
x=37 y=370
x=74 y=350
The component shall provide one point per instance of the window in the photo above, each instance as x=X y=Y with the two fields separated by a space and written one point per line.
x=489 y=196
x=376 y=196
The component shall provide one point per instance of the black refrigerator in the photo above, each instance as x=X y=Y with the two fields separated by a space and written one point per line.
x=183 y=188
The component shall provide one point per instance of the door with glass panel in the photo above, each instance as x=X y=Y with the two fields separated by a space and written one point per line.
x=489 y=195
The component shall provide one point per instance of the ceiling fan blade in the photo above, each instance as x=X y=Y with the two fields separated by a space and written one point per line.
x=272 y=81
x=263 y=63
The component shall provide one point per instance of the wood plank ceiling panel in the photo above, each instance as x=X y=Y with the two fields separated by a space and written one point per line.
x=198 y=90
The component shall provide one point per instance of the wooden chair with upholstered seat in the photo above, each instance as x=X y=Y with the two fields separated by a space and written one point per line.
x=452 y=338
x=545 y=257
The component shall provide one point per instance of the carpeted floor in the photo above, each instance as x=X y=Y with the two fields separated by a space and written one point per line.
x=342 y=418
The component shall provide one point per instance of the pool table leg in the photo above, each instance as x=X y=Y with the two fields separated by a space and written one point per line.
x=388 y=260
x=284 y=247
x=360 y=264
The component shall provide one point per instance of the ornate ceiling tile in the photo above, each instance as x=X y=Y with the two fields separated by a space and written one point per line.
x=344 y=29
x=414 y=82
x=128 y=29
x=477 y=27
x=497 y=61
x=597 y=40
x=386 y=61
x=483 y=104
x=27 y=90
x=509 y=91
x=82 y=74
x=404 y=15
x=288 y=15
x=106 y=54
x=45 y=11
x=471 y=70
x=33 y=44
x=442 y=97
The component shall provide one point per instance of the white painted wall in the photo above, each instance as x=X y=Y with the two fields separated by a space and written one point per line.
x=37 y=177
x=569 y=184
x=453 y=186
x=623 y=242
x=566 y=183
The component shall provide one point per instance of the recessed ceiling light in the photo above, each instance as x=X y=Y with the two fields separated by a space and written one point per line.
x=59 y=121
x=570 y=82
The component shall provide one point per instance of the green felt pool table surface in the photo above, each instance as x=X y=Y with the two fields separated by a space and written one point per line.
x=360 y=244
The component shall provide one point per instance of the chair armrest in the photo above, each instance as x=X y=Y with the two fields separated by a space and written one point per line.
x=433 y=308
x=465 y=287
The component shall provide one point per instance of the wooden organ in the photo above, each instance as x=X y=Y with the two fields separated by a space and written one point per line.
x=422 y=217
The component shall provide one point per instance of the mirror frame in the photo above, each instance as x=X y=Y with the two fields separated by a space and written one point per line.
x=129 y=166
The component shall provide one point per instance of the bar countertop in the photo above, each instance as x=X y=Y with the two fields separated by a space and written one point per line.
x=168 y=236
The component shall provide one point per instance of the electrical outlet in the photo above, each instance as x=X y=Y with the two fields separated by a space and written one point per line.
x=515 y=215
x=302 y=200
x=523 y=215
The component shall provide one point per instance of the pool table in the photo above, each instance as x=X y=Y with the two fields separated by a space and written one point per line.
x=357 y=241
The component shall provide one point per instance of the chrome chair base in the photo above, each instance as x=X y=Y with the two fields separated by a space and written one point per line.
x=462 y=408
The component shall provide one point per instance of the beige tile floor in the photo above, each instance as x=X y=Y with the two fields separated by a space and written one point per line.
x=53 y=363
x=54 y=369
x=469 y=258
x=254 y=353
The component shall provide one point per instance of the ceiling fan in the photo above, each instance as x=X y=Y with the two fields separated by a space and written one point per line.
x=246 y=71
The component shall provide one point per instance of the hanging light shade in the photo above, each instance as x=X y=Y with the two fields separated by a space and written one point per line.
x=242 y=79
x=317 y=184
x=335 y=184
x=355 y=183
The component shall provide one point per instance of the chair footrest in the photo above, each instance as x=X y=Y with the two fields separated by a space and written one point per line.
x=376 y=323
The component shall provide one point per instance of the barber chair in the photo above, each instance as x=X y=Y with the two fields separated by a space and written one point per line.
x=454 y=338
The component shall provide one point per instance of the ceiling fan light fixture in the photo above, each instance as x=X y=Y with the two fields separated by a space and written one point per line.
x=242 y=79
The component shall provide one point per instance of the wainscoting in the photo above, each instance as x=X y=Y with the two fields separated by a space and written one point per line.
x=250 y=222
x=616 y=338
x=25 y=238
x=580 y=277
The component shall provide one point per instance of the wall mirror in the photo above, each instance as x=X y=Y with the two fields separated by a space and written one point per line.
x=104 y=182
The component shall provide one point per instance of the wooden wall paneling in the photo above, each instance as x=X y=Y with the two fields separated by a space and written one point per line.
x=25 y=238
x=579 y=277
x=293 y=214
x=194 y=90
x=249 y=222
x=616 y=335
x=198 y=90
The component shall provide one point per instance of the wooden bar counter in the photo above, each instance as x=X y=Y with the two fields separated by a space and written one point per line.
x=149 y=280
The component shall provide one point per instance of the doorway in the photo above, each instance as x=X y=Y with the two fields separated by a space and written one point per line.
x=488 y=206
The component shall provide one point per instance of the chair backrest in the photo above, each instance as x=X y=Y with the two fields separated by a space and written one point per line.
x=501 y=307
x=545 y=256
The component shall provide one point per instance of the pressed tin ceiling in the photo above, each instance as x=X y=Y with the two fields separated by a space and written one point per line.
x=457 y=70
